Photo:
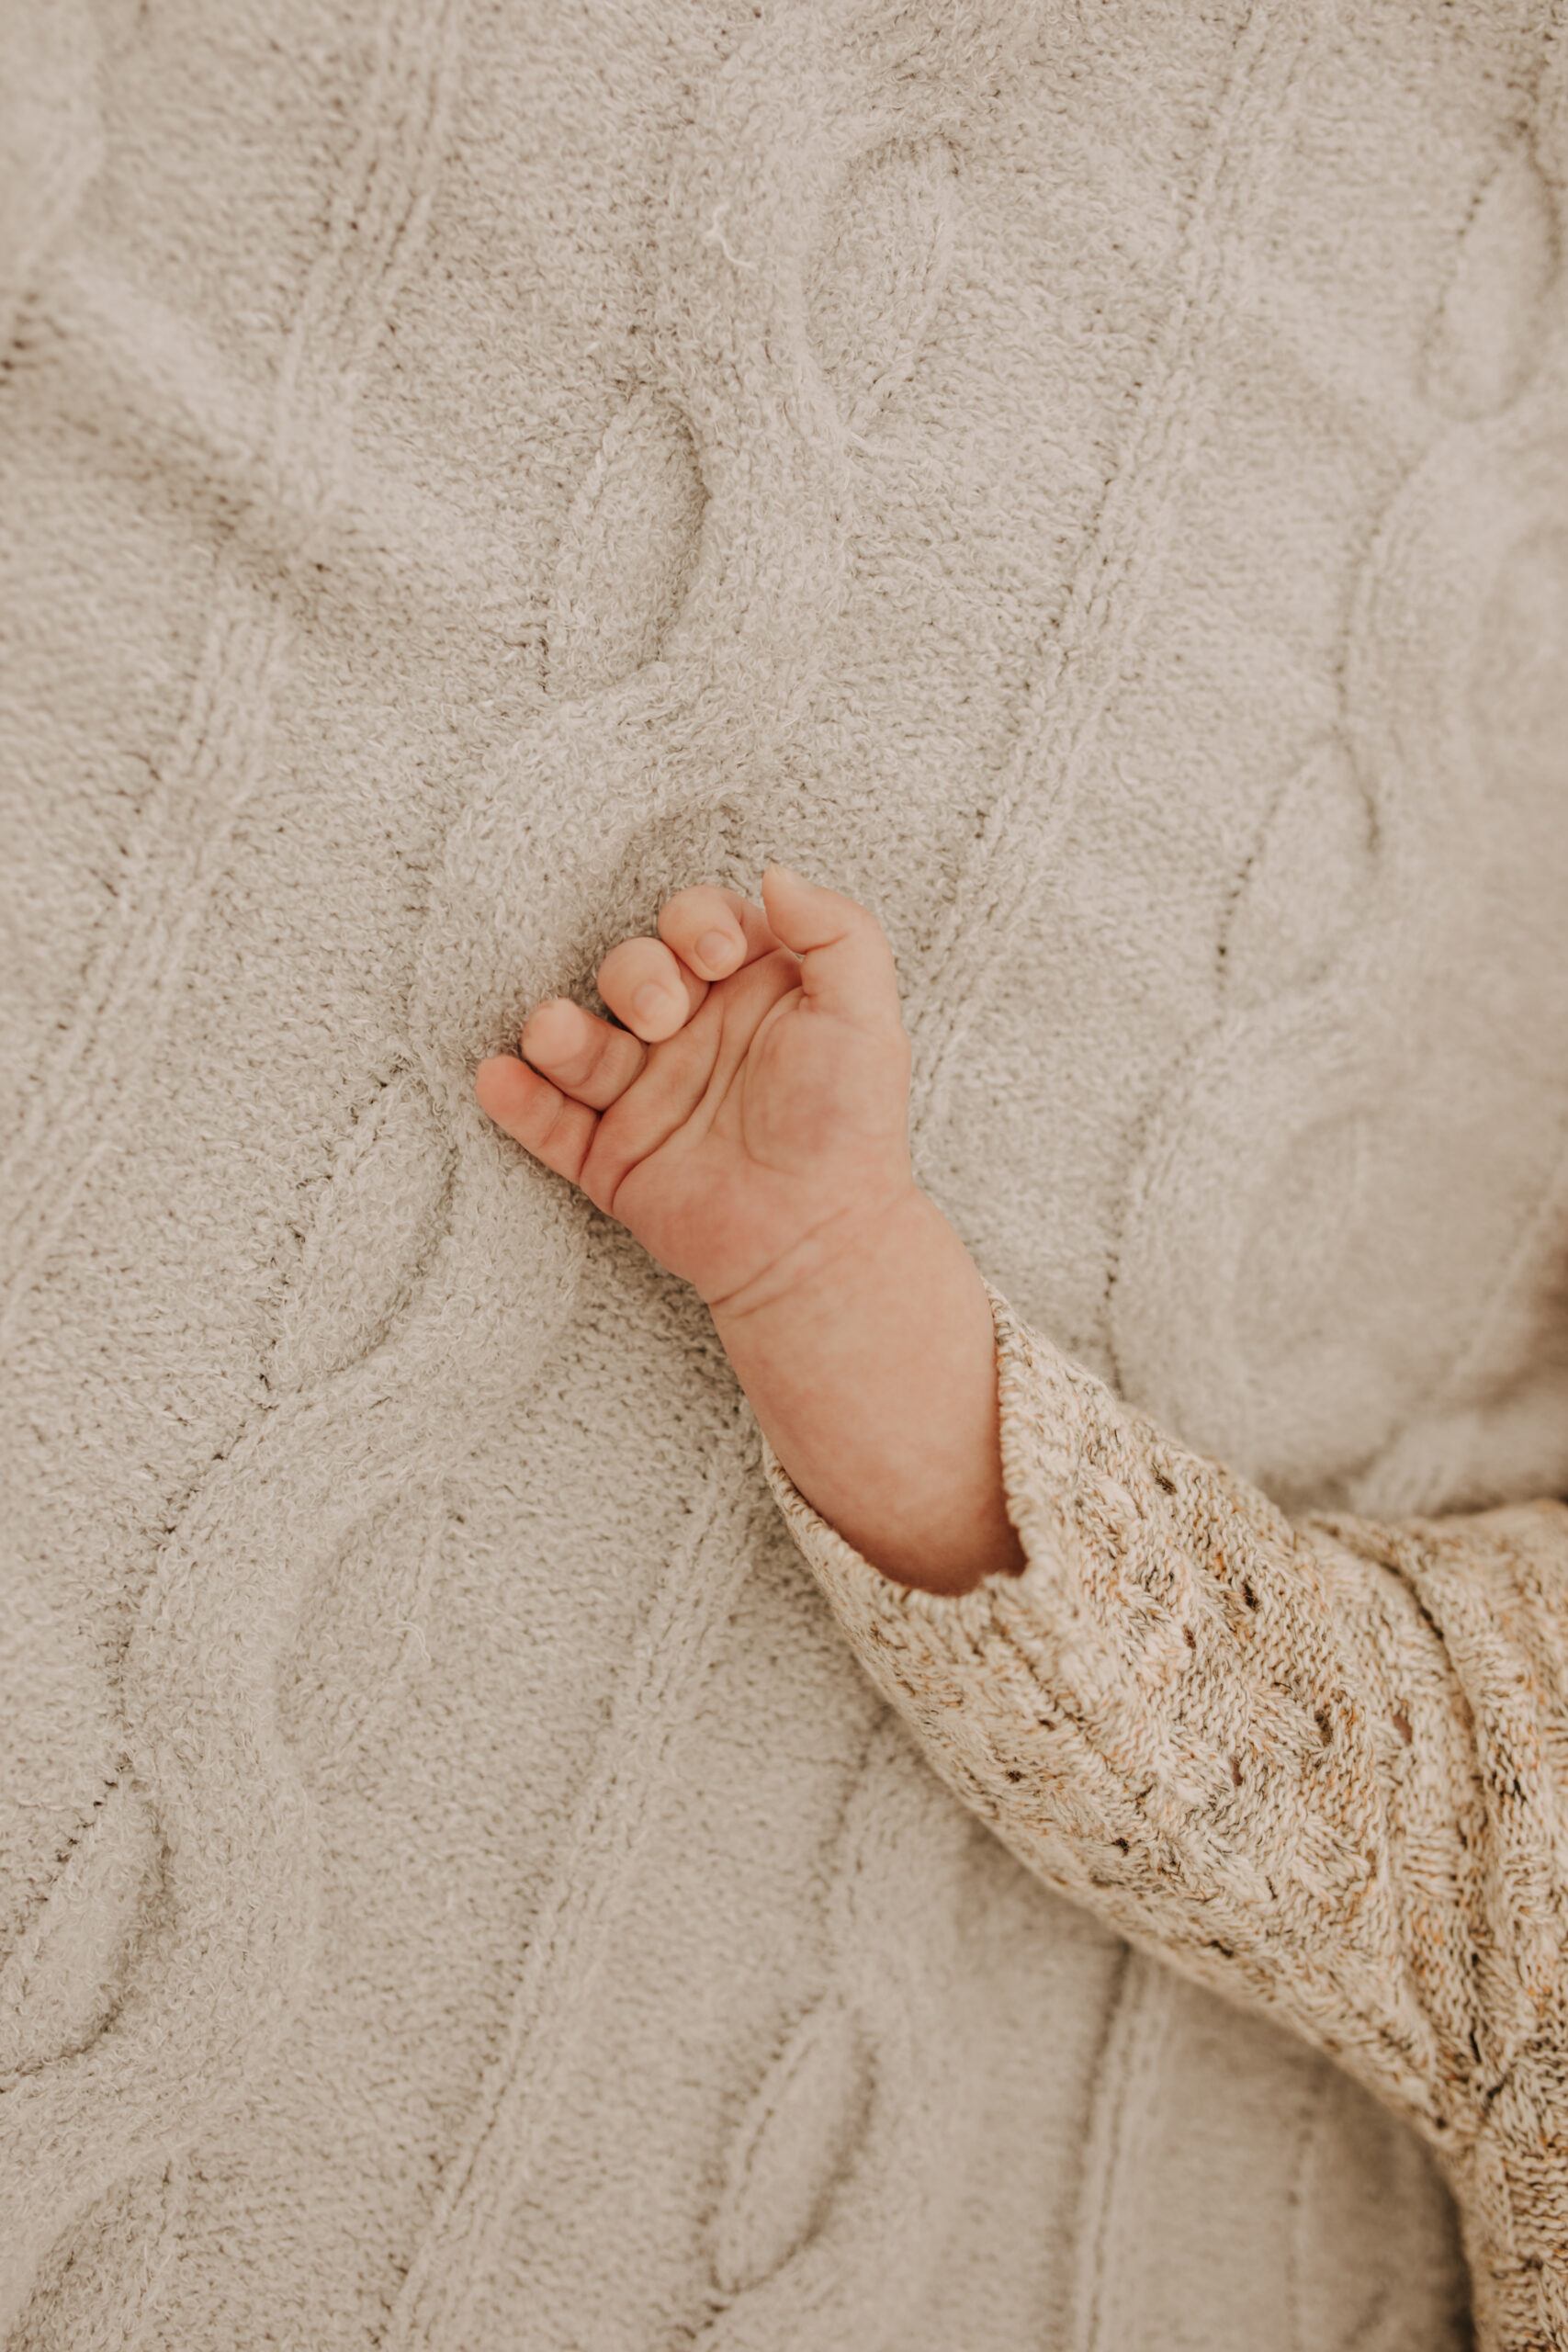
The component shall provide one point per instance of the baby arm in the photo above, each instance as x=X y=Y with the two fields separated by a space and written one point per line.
x=1241 y=1743
x=1320 y=1767
x=871 y=1366
x=748 y=1120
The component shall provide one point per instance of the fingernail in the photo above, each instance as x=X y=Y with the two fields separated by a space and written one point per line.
x=650 y=1001
x=715 y=947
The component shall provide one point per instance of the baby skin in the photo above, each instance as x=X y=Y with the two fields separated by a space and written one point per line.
x=750 y=1126
x=1320 y=1766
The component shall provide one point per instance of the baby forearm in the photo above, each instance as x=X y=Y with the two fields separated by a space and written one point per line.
x=872 y=1371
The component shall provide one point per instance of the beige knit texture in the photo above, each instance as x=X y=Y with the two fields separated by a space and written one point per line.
x=1321 y=1767
x=1086 y=480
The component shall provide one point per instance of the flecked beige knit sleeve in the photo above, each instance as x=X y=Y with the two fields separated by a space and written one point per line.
x=1321 y=1767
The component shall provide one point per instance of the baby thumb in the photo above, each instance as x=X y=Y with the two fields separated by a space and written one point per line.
x=847 y=966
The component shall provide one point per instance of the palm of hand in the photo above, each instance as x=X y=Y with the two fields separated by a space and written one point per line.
x=760 y=1112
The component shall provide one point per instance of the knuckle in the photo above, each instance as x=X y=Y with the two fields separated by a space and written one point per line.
x=613 y=965
x=627 y=966
x=555 y=1118
x=544 y=1037
x=536 y=1098
x=681 y=919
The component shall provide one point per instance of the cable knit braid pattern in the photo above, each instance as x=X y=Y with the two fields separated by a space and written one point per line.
x=201 y=1855
x=1322 y=1768
x=1325 y=1035
x=206 y=1837
x=438 y=1272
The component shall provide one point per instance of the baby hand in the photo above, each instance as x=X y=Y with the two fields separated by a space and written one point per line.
x=756 y=1121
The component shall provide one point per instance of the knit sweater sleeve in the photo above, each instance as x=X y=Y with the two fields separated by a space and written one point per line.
x=1319 y=1767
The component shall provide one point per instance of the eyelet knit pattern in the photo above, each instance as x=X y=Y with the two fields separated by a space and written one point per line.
x=418 y=579
x=1320 y=1767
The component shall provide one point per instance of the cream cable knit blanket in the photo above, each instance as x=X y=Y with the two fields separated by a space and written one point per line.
x=1090 y=482
x=1322 y=1768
